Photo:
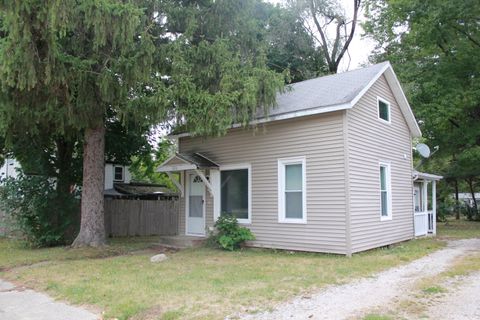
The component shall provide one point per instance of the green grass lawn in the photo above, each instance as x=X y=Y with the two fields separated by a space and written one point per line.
x=15 y=253
x=458 y=229
x=199 y=283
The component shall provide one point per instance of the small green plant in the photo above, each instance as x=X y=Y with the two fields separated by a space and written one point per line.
x=229 y=235
x=434 y=290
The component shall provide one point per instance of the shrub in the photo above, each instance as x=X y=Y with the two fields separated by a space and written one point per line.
x=229 y=235
x=39 y=212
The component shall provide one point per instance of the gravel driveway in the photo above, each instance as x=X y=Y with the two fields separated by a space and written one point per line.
x=352 y=300
x=461 y=302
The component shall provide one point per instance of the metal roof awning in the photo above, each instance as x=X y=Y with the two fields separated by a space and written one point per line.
x=417 y=175
x=183 y=161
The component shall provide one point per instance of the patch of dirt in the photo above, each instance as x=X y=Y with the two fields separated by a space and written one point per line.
x=354 y=299
x=152 y=313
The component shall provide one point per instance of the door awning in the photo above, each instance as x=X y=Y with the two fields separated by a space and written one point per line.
x=183 y=161
x=417 y=175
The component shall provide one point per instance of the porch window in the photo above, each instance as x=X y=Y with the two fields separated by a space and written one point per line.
x=385 y=192
x=418 y=197
x=235 y=193
x=383 y=110
x=291 y=190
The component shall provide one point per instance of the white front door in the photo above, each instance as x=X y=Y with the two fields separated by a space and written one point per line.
x=195 y=206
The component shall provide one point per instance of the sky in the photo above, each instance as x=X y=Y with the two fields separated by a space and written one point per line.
x=359 y=48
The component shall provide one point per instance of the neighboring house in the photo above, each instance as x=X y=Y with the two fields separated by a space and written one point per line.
x=119 y=185
x=9 y=168
x=116 y=173
x=467 y=198
x=329 y=170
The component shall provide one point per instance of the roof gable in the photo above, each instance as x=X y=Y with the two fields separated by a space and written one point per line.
x=338 y=92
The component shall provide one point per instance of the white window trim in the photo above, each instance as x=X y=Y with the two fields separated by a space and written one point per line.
x=389 y=110
x=389 y=191
x=281 y=189
x=123 y=173
x=238 y=166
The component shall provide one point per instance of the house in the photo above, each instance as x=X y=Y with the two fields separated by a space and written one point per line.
x=119 y=185
x=466 y=198
x=9 y=168
x=328 y=170
x=116 y=173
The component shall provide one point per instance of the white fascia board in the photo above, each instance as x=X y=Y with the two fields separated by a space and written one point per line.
x=370 y=84
x=285 y=116
x=426 y=176
x=164 y=167
x=176 y=136
x=392 y=81
x=399 y=96
x=403 y=102
x=300 y=113
x=179 y=167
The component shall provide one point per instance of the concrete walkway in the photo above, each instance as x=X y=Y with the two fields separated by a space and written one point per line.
x=19 y=304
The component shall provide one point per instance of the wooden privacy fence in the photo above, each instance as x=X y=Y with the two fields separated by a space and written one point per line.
x=141 y=217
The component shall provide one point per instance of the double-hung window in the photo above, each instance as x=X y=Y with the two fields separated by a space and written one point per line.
x=235 y=192
x=292 y=190
x=118 y=173
x=385 y=192
x=383 y=110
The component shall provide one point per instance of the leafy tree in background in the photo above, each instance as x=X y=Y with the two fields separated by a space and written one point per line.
x=321 y=19
x=144 y=166
x=291 y=47
x=435 y=49
x=65 y=64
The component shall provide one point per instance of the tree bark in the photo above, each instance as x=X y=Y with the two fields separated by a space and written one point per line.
x=334 y=57
x=92 y=229
x=457 y=209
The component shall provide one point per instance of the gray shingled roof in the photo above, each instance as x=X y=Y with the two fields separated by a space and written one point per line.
x=198 y=159
x=331 y=90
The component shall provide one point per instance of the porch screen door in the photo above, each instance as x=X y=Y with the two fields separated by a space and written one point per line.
x=419 y=214
x=196 y=213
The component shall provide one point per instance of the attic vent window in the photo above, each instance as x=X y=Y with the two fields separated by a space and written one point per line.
x=383 y=110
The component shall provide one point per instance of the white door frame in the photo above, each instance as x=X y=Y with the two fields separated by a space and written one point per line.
x=187 y=204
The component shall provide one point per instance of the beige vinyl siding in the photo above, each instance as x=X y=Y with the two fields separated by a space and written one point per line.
x=318 y=138
x=370 y=141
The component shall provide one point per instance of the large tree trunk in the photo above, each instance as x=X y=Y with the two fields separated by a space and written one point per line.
x=457 y=208
x=92 y=229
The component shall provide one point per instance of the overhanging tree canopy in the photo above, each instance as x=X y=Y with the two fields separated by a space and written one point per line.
x=64 y=64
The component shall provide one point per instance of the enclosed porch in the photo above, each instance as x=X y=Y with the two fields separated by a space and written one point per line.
x=425 y=199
